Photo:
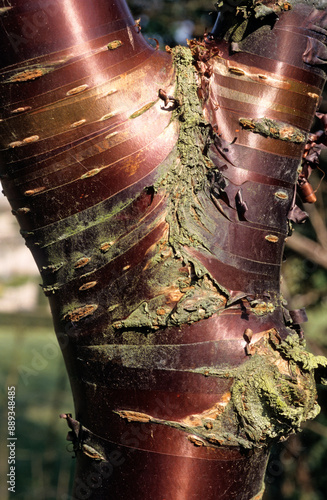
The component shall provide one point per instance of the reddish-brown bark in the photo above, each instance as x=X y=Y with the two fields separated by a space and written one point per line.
x=163 y=275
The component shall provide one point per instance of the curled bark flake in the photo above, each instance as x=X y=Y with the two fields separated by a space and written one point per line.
x=317 y=21
x=241 y=205
x=50 y=290
x=306 y=191
x=23 y=210
x=218 y=185
x=236 y=71
x=137 y=25
x=235 y=47
x=261 y=308
x=110 y=136
x=15 y=144
x=251 y=348
x=236 y=297
x=170 y=101
x=157 y=42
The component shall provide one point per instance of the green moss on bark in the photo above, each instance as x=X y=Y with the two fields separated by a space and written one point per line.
x=272 y=394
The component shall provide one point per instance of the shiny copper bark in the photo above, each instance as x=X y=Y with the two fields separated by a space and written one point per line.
x=163 y=280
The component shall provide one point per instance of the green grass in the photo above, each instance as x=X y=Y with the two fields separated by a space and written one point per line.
x=30 y=359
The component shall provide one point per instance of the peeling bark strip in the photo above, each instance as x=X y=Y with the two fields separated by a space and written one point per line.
x=157 y=218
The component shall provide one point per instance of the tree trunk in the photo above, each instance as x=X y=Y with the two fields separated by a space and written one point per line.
x=155 y=191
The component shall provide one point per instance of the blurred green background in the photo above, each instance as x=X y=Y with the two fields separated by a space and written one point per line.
x=31 y=360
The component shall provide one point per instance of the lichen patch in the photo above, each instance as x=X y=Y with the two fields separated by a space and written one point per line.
x=176 y=306
x=115 y=44
x=80 y=313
